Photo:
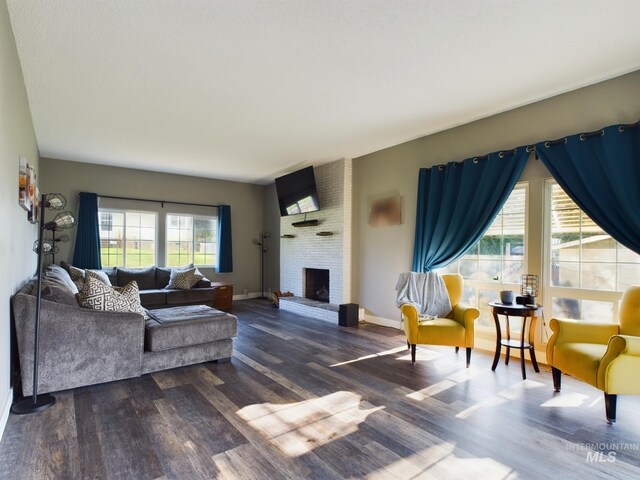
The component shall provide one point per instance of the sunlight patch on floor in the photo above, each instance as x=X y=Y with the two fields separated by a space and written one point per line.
x=566 y=400
x=513 y=392
x=441 y=461
x=451 y=381
x=422 y=355
x=297 y=428
x=373 y=355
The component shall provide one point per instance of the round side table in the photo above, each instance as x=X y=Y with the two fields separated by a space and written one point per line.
x=526 y=312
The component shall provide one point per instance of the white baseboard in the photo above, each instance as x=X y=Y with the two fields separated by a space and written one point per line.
x=249 y=295
x=485 y=344
x=385 y=322
x=6 y=409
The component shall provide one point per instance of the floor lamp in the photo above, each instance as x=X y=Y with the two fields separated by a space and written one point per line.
x=62 y=221
x=263 y=249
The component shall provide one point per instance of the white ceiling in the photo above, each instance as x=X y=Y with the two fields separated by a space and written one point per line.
x=246 y=90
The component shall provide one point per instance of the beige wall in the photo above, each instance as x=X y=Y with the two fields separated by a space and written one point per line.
x=246 y=200
x=17 y=261
x=380 y=254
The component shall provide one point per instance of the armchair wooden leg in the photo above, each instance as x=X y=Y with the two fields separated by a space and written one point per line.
x=557 y=377
x=457 y=349
x=468 y=356
x=610 y=407
x=408 y=344
x=413 y=353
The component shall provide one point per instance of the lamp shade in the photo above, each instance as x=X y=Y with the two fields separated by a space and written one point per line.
x=47 y=247
x=62 y=238
x=54 y=201
x=62 y=221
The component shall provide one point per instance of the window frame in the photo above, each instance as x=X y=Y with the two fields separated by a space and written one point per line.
x=193 y=216
x=576 y=293
x=497 y=286
x=124 y=211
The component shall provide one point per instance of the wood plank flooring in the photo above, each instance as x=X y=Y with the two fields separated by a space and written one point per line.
x=303 y=398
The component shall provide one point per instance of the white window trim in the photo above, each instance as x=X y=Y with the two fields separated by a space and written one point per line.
x=166 y=238
x=551 y=291
x=124 y=245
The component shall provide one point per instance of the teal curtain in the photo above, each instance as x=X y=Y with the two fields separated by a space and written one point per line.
x=457 y=203
x=86 y=252
x=600 y=171
x=225 y=253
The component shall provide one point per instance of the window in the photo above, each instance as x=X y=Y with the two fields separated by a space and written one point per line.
x=586 y=271
x=192 y=239
x=127 y=238
x=499 y=253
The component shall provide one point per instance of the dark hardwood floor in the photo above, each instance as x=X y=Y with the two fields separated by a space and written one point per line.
x=303 y=398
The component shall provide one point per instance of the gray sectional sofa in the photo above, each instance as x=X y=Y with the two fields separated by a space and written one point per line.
x=152 y=282
x=81 y=347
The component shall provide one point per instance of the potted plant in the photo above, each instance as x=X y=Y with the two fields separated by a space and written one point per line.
x=506 y=296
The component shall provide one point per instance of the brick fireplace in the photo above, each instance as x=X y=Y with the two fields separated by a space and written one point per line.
x=325 y=248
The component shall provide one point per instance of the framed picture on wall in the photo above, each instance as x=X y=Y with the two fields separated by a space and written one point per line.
x=23 y=184
x=385 y=212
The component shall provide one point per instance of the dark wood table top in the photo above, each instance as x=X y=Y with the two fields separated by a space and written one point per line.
x=513 y=308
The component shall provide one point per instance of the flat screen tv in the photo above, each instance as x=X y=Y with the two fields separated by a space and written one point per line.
x=297 y=192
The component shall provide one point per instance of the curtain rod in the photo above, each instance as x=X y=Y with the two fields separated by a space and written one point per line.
x=549 y=143
x=161 y=202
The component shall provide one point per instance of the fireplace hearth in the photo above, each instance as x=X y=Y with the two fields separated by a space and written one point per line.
x=316 y=284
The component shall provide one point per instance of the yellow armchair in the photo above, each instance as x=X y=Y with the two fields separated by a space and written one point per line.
x=456 y=329
x=604 y=355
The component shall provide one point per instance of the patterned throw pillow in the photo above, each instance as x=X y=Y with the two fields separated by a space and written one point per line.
x=98 y=296
x=184 y=279
x=78 y=275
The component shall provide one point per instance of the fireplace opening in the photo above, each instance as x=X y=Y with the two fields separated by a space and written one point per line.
x=316 y=284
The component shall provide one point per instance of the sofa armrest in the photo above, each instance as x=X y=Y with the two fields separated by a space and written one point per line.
x=77 y=346
x=617 y=372
x=467 y=317
x=204 y=283
x=410 y=322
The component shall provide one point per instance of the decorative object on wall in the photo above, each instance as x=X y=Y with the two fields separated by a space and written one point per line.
x=23 y=189
x=27 y=189
x=324 y=234
x=34 y=212
x=385 y=212
x=287 y=235
x=264 y=248
x=62 y=221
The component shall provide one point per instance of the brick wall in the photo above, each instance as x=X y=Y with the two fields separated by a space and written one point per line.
x=307 y=250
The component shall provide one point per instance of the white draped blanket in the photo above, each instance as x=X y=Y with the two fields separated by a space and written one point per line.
x=425 y=290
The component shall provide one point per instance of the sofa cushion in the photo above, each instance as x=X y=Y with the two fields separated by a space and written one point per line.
x=162 y=277
x=144 y=277
x=580 y=360
x=194 y=295
x=58 y=286
x=184 y=326
x=96 y=295
x=153 y=298
x=184 y=279
x=78 y=275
